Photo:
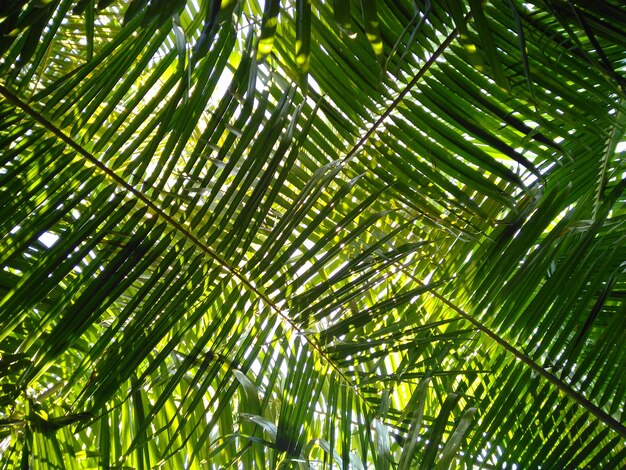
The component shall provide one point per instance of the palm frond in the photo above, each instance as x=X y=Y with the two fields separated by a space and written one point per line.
x=306 y=234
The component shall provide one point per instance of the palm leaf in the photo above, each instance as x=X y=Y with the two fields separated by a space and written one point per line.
x=306 y=235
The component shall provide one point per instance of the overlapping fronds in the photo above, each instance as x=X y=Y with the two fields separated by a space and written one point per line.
x=374 y=234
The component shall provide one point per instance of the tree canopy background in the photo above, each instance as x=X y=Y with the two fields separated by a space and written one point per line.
x=365 y=234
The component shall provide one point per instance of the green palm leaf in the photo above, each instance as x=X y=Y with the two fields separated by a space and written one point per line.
x=241 y=234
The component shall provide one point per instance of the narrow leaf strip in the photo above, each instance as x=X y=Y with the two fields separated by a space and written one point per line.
x=268 y=29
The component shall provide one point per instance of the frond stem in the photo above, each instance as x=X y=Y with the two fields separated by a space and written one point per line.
x=160 y=213
x=553 y=379
x=405 y=91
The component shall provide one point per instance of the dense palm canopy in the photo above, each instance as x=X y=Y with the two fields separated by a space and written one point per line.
x=373 y=234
